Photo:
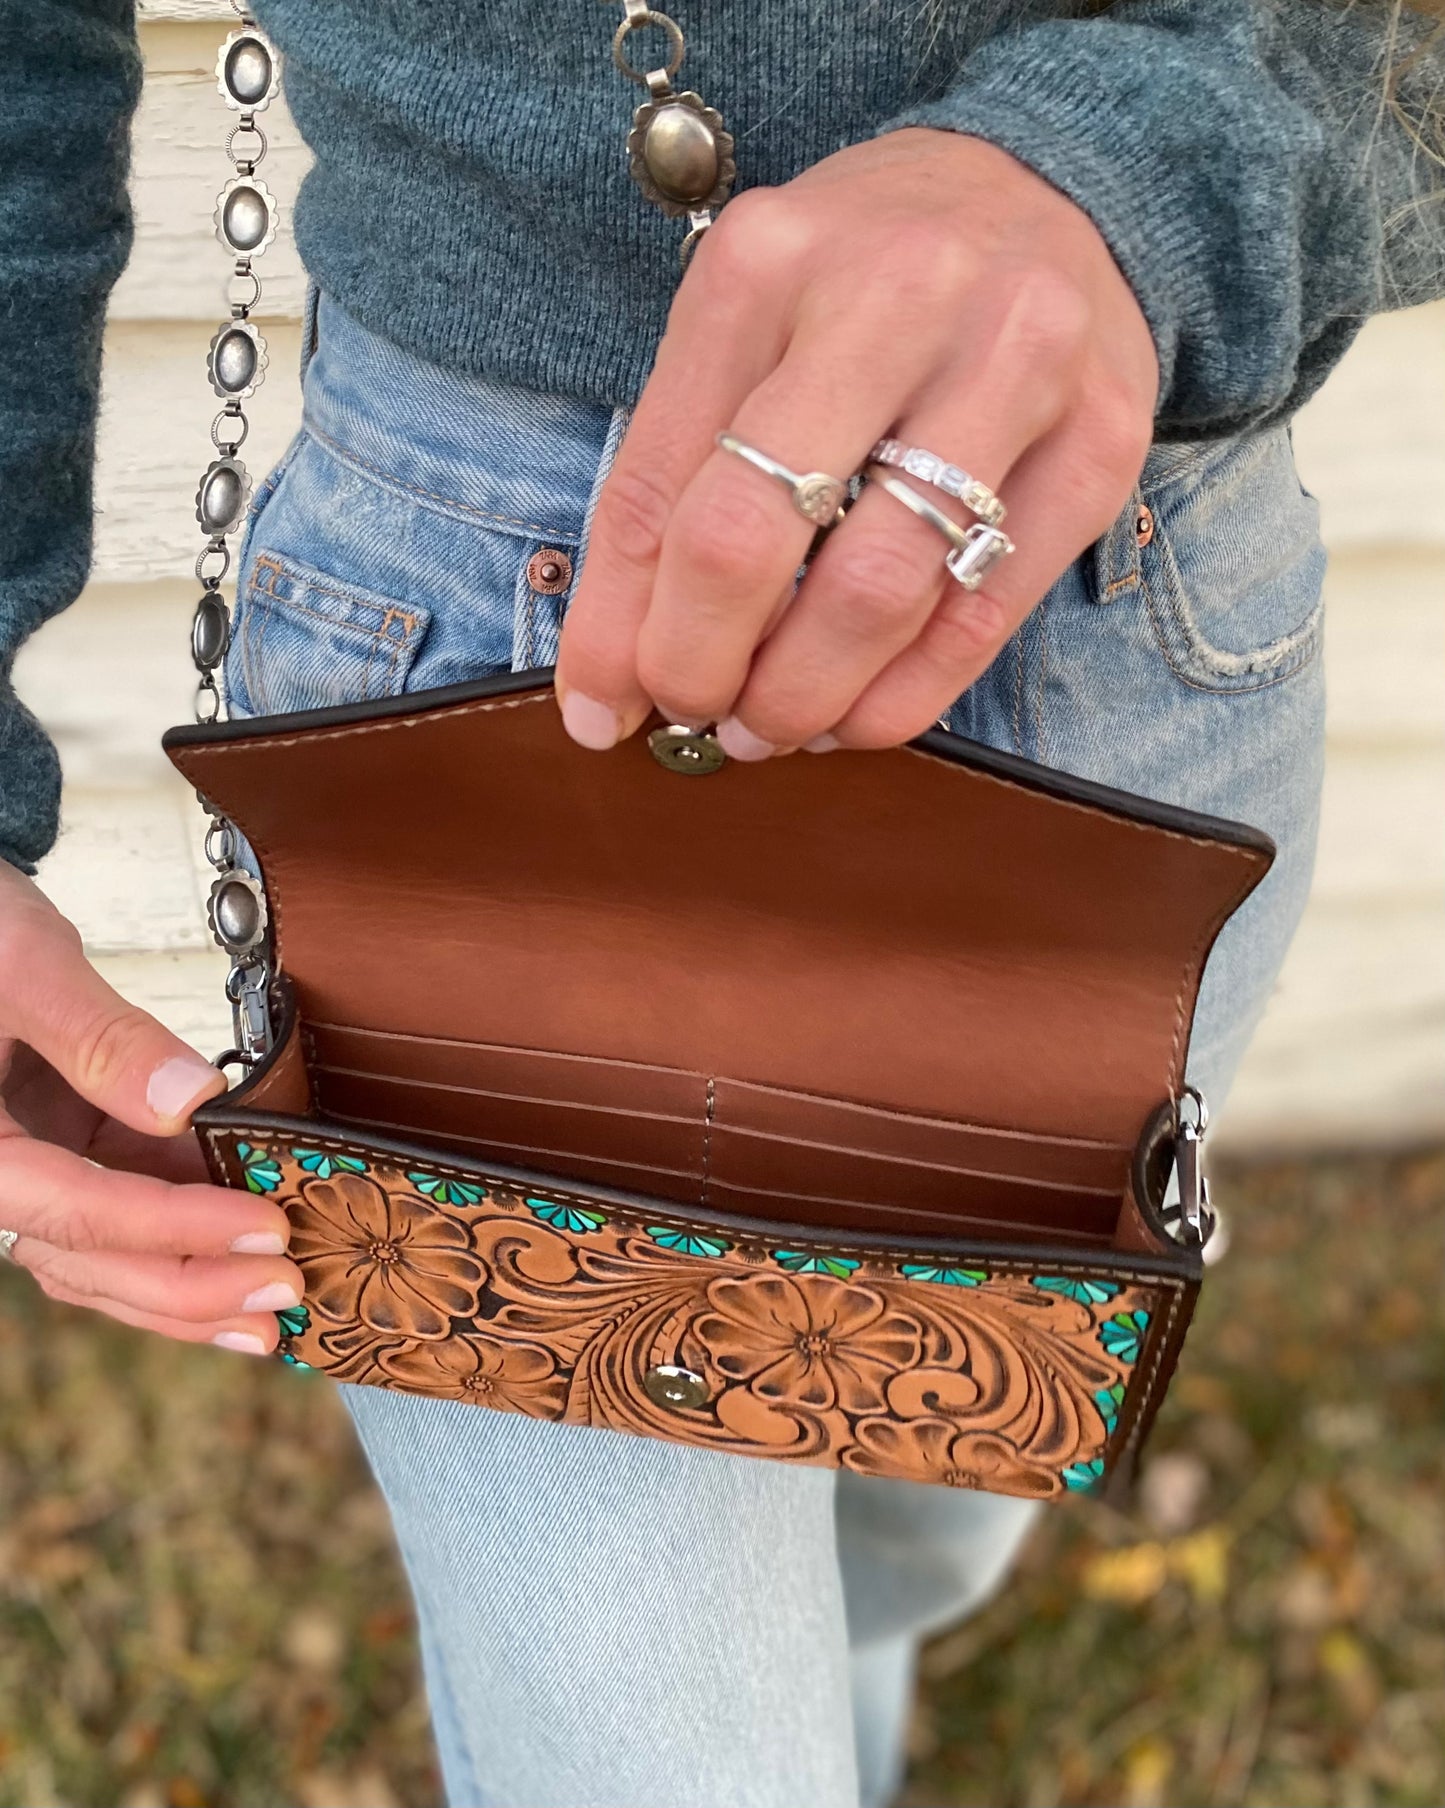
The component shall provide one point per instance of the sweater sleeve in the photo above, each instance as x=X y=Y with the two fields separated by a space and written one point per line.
x=72 y=80
x=1241 y=159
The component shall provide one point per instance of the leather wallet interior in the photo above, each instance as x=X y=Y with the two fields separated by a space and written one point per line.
x=931 y=991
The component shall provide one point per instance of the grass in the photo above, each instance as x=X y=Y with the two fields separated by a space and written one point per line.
x=200 y=1608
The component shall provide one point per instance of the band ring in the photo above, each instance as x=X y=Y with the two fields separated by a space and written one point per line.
x=8 y=1240
x=815 y=495
x=929 y=468
x=975 y=550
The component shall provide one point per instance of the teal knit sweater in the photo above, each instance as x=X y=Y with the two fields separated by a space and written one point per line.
x=469 y=199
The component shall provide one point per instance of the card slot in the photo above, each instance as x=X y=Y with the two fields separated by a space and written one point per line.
x=579 y=1079
x=725 y=1136
x=626 y=1176
x=745 y=1108
x=789 y=1170
x=513 y=1098
x=587 y=1135
x=824 y=1213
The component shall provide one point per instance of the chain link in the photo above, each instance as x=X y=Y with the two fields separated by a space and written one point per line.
x=680 y=154
x=247 y=75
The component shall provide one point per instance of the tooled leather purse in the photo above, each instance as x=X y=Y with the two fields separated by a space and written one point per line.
x=826 y=1110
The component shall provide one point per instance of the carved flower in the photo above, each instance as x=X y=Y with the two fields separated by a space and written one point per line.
x=512 y=1377
x=388 y=1259
x=807 y=1340
x=932 y=1450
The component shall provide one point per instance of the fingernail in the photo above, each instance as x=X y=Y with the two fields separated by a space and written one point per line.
x=259 y=1243
x=590 y=723
x=275 y=1296
x=178 y=1084
x=822 y=743
x=246 y=1342
x=741 y=743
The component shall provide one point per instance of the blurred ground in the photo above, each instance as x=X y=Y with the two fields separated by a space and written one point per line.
x=199 y=1607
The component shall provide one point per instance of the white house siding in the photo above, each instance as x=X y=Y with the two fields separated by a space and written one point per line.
x=1353 y=1048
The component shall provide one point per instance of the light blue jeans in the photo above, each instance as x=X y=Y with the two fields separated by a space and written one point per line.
x=608 y=1622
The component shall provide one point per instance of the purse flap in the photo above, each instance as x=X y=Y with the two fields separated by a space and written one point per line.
x=935 y=929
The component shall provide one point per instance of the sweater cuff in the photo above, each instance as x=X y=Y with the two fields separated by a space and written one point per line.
x=1210 y=183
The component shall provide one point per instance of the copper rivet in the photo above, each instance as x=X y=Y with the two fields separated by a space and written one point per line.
x=548 y=572
x=1144 y=525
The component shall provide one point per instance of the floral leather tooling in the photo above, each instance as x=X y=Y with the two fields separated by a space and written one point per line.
x=447 y=1282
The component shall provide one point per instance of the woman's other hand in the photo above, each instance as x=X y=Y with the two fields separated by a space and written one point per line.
x=108 y=1196
x=926 y=286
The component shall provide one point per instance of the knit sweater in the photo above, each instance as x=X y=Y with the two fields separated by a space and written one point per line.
x=469 y=199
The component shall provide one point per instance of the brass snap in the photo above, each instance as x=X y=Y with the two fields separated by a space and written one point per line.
x=678 y=1389
x=1144 y=525
x=688 y=750
x=548 y=572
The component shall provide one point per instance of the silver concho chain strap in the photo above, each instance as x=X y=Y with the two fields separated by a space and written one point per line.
x=681 y=158
x=248 y=76
x=678 y=152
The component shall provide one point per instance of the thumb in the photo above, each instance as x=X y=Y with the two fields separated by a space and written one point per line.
x=113 y=1053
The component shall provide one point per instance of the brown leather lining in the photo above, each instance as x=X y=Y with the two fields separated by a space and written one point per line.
x=927 y=971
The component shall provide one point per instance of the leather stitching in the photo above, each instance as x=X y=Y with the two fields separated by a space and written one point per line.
x=490 y=705
x=485 y=706
x=709 y=1111
x=1148 y=1380
x=575 y=1196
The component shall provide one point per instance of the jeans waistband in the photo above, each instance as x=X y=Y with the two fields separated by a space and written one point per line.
x=460 y=444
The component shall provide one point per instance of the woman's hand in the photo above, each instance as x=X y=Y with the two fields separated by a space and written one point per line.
x=109 y=1198
x=924 y=285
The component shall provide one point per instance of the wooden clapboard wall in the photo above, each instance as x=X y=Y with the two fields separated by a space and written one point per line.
x=1353 y=1048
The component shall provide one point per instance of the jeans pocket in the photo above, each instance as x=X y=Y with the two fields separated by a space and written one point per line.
x=305 y=639
x=1232 y=568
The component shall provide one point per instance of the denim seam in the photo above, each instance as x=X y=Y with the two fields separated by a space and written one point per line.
x=1224 y=688
x=343 y=455
x=272 y=565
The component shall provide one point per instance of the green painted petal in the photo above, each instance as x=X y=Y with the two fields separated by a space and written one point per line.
x=946 y=1277
x=1087 y=1293
x=687 y=1243
x=293 y=1320
x=802 y=1261
x=565 y=1217
x=323 y=1163
x=448 y=1192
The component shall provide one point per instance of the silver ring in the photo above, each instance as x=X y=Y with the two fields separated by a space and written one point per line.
x=975 y=550
x=8 y=1240
x=928 y=467
x=816 y=496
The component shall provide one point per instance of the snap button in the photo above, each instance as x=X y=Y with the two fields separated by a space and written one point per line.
x=548 y=572
x=1144 y=525
x=679 y=1390
x=688 y=750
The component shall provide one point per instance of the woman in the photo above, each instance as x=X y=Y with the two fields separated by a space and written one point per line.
x=1098 y=261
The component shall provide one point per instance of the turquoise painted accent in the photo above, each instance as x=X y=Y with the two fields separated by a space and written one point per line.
x=1123 y=1334
x=323 y=1165
x=293 y=1321
x=1087 y=1293
x=801 y=1261
x=687 y=1243
x=1082 y=1477
x=1109 y=1400
x=947 y=1277
x=261 y=1172
x=565 y=1217
x=448 y=1192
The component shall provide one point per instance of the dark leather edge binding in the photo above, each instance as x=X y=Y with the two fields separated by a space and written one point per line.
x=936 y=743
